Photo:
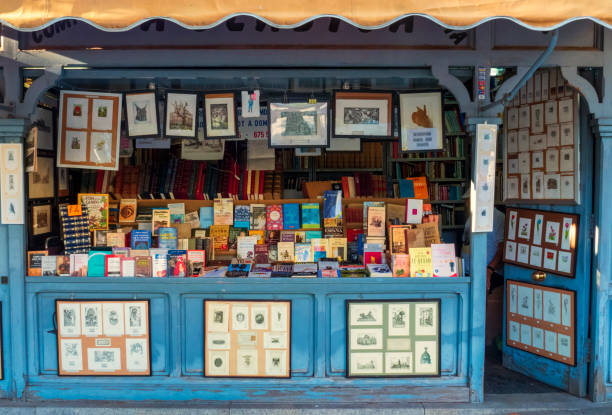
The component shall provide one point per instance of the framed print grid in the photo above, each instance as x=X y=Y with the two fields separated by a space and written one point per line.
x=542 y=143
x=541 y=320
x=392 y=338
x=359 y=114
x=89 y=130
x=141 y=114
x=247 y=338
x=103 y=337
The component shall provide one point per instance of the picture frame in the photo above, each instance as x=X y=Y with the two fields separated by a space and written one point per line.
x=63 y=186
x=103 y=337
x=362 y=114
x=141 y=114
x=298 y=124
x=41 y=219
x=31 y=150
x=220 y=115
x=41 y=184
x=421 y=129
x=382 y=339
x=44 y=119
x=240 y=334
x=181 y=114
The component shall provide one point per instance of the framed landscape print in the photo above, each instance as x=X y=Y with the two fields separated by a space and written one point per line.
x=247 y=338
x=541 y=320
x=103 y=338
x=181 y=119
x=41 y=184
x=141 y=114
x=90 y=124
x=363 y=114
x=298 y=124
x=392 y=338
x=41 y=219
x=220 y=115
x=421 y=123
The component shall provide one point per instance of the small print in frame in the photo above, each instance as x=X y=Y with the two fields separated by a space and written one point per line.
x=567 y=187
x=278 y=317
x=537 y=178
x=276 y=362
x=524 y=229
x=113 y=319
x=526 y=334
x=41 y=219
x=522 y=254
x=566 y=110
x=552 y=135
x=550 y=112
x=550 y=341
x=246 y=362
x=399 y=363
x=538 y=338
x=525 y=301
x=136 y=318
x=550 y=259
x=259 y=317
x=552 y=186
x=69 y=319
x=512 y=187
x=298 y=125
x=565 y=262
x=525 y=186
x=220 y=115
x=512 y=295
x=552 y=160
x=566 y=310
x=72 y=355
x=552 y=233
x=366 y=339
x=103 y=359
x=220 y=341
x=524 y=120
x=102 y=115
x=366 y=314
x=552 y=307
x=426 y=318
x=218 y=362
x=566 y=159
x=398 y=319
x=41 y=184
x=567 y=134
x=421 y=121
x=181 y=115
x=513 y=118
x=141 y=114
x=366 y=363
x=510 y=253
x=362 y=114
x=523 y=140
x=426 y=359
x=217 y=316
x=537 y=304
x=91 y=319
x=512 y=142
x=537 y=118
x=240 y=317
x=537 y=142
x=136 y=355
x=537 y=160
x=535 y=256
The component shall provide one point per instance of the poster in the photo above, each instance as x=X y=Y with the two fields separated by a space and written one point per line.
x=483 y=189
x=11 y=184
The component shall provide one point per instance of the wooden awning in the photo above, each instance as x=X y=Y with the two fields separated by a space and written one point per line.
x=125 y=14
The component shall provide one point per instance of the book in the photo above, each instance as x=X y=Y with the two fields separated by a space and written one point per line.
x=113 y=213
x=115 y=239
x=299 y=237
x=125 y=252
x=273 y=252
x=128 y=267
x=420 y=262
x=337 y=248
x=220 y=235
x=291 y=216
x=140 y=239
x=142 y=266
x=303 y=252
x=366 y=206
x=258 y=216
x=168 y=238
x=63 y=265
x=415 y=238
x=352 y=271
x=260 y=234
x=127 y=210
x=177 y=263
x=223 y=211
x=206 y=217
x=261 y=253
x=196 y=261
x=96 y=264
x=261 y=271
x=177 y=213
x=414 y=211
x=332 y=212
x=274 y=217
x=282 y=271
x=310 y=235
x=112 y=266
x=242 y=216
x=379 y=270
x=183 y=230
x=311 y=218
x=160 y=219
x=443 y=260
x=286 y=251
x=397 y=239
x=272 y=236
x=238 y=270
x=75 y=227
x=159 y=263
x=307 y=270
x=319 y=248
x=35 y=263
x=78 y=265
x=97 y=209
x=329 y=268
x=372 y=254
x=48 y=265
x=246 y=247
x=401 y=265
x=99 y=237
x=376 y=221
x=287 y=236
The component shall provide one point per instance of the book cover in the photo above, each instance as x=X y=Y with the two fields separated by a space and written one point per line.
x=286 y=251
x=310 y=235
x=397 y=239
x=443 y=260
x=261 y=271
x=401 y=265
x=300 y=237
x=261 y=253
x=303 y=252
x=124 y=252
x=63 y=265
x=242 y=216
x=332 y=212
x=193 y=219
x=223 y=211
x=183 y=230
x=142 y=266
x=353 y=234
x=366 y=206
x=376 y=221
x=99 y=238
x=177 y=213
x=291 y=216
x=372 y=254
x=115 y=239
x=113 y=213
x=258 y=216
x=196 y=262
x=140 y=239
x=35 y=263
x=238 y=270
x=329 y=268
x=319 y=248
x=307 y=270
x=112 y=265
x=160 y=219
x=96 y=265
x=420 y=262
x=48 y=266
x=78 y=265
x=379 y=270
x=287 y=236
x=246 y=247
x=272 y=236
x=159 y=262
x=97 y=209
x=337 y=248
x=260 y=234
x=273 y=252
x=220 y=235
x=177 y=263
x=311 y=219
x=206 y=217
x=128 y=267
x=127 y=210
x=274 y=217
x=414 y=211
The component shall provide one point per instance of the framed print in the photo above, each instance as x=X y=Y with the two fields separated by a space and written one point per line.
x=96 y=337
x=63 y=188
x=421 y=124
x=11 y=184
x=181 y=115
x=41 y=219
x=220 y=115
x=43 y=120
x=541 y=320
x=41 y=184
x=298 y=124
x=247 y=338
x=31 y=150
x=141 y=114
x=97 y=208
x=360 y=114
x=89 y=130
x=392 y=338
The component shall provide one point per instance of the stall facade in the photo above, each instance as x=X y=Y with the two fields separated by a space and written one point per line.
x=71 y=54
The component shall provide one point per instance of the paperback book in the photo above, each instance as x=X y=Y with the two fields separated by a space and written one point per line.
x=311 y=218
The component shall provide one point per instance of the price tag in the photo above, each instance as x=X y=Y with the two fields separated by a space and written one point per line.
x=75 y=210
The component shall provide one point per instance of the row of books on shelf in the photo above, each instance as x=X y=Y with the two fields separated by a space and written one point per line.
x=454 y=121
x=452 y=146
x=370 y=156
x=364 y=185
x=446 y=191
x=434 y=170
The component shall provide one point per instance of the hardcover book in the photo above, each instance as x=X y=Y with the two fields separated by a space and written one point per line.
x=372 y=254
x=246 y=247
x=291 y=216
x=443 y=260
x=420 y=262
x=48 y=265
x=160 y=219
x=258 y=216
x=274 y=217
x=329 y=268
x=128 y=267
x=242 y=216
x=159 y=263
x=96 y=265
x=232 y=238
x=127 y=210
x=366 y=206
x=310 y=235
x=177 y=263
x=287 y=236
x=196 y=261
x=337 y=248
x=140 y=239
x=168 y=238
x=414 y=211
x=206 y=217
x=142 y=266
x=223 y=211
x=311 y=218
x=379 y=270
x=397 y=239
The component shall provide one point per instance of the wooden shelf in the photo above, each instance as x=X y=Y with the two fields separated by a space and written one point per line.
x=425 y=159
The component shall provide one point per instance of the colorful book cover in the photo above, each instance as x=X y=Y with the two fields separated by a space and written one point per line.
x=272 y=252
x=124 y=252
x=310 y=235
x=99 y=238
x=397 y=239
x=272 y=236
x=96 y=264
x=63 y=265
x=261 y=254
x=48 y=266
x=258 y=216
x=206 y=217
x=232 y=238
x=337 y=248
x=329 y=269
x=220 y=235
x=140 y=239
x=177 y=213
x=303 y=252
x=286 y=251
x=319 y=248
x=414 y=211
x=113 y=213
x=332 y=212
x=379 y=270
x=311 y=219
x=159 y=263
x=97 y=209
x=246 y=247
x=353 y=234
x=113 y=265
x=291 y=216
x=35 y=263
x=127 y=210
x=274 y=217
x=443 y=260
x=128 y=267
x=196 y=262
x=223 y=211
x=168 y=238
x=177 y=263
x=372 y=254
x=78 y=265
x=160 y=219
x=420 y=262
x=242 y=216
x=260 y=234
x=142 y=266
x=366 y=206
x=287 y=236
x=115 y=239
x=300 y=237
x=376 y=221
x=401 y=265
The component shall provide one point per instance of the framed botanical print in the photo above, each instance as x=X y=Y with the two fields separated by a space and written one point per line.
x=181 y=115
x=141 y=114
x=41 y=219
x=298 y=124
x=220 y=115
x=421 y=123
x=359 y=114
x=41 y=184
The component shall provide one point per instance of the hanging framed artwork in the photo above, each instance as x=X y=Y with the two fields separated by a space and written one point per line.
x=31 y=150
x=220 y=115
x=41 y=219
x=363 y=114
x=421 y=122
x=90 y=123
x=11 y=184
x=141 y=114
x=483 y=191
x=181 y=115
x=393 y=338
x=41 y=184
x=63 y=188
x=298 y=124
x=43 y=119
